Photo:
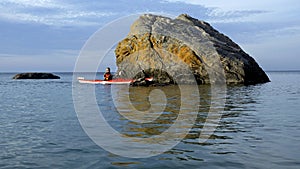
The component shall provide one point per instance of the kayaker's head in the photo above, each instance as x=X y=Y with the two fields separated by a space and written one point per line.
x=107 y=70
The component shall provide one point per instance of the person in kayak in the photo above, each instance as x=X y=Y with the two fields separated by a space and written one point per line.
x=107 y=75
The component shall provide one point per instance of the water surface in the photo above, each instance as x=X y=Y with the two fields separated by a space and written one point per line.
x=259 y=128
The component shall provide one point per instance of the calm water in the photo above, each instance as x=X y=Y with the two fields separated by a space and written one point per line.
x=259 y=128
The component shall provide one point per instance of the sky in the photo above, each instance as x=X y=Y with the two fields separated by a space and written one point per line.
x=47 y=35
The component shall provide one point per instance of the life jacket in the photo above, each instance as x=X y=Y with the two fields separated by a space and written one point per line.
x=107 y=76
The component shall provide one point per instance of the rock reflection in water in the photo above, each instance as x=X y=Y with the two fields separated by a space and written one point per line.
x=237 y=102
x=139 y=98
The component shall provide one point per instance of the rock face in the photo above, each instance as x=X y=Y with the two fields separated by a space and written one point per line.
x=183 y=50
x=35 y=76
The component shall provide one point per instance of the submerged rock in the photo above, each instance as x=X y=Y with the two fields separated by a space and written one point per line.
x=183 y=50
x=36 y=76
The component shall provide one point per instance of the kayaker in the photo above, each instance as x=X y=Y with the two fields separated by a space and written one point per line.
x=107 y=75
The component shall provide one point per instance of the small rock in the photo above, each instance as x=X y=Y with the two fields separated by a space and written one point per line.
x=36 y=76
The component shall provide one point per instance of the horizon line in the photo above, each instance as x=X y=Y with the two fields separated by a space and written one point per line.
x=283 y=70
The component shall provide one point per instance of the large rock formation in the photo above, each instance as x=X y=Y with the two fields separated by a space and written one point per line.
x=35 y=76
x=183 y=50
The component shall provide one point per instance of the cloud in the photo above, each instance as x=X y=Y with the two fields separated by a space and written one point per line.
x=87 y=13
x=45 y=28
x=49 y=12
x=220 y=12
x=33 y=3
x=251 y=21
x=219 y=16
x=247 y=11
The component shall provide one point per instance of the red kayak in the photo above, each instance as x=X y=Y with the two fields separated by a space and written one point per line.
x=114 y=81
